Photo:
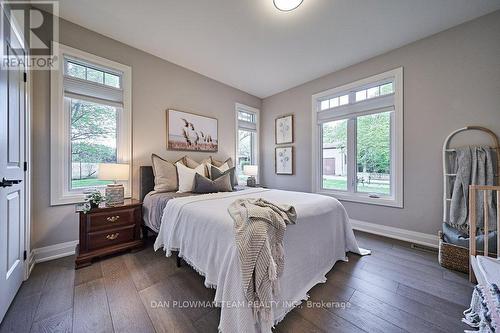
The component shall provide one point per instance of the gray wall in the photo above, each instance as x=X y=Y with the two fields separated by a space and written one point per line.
x=156 y=86
x=451 y=80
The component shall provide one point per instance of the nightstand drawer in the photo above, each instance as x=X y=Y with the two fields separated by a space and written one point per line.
x=108 y=220
x=105 y=238
x=109 y=229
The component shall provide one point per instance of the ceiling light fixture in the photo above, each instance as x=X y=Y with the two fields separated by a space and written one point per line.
x=287 y=5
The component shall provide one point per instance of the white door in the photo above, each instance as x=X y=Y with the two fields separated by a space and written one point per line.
x=12 y=182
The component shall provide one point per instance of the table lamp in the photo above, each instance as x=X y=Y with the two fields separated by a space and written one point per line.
x=114 y=171
x=251 y=171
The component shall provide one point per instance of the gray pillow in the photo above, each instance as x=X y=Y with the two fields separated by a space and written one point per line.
x=205 y=185
x=216 y=173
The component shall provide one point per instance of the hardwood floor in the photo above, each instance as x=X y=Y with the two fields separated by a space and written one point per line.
x=396 y=289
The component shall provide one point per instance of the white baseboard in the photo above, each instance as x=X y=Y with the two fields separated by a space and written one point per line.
x=396 y=233
x=55 y=251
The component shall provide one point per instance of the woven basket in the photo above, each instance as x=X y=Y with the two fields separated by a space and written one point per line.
x=452 y=256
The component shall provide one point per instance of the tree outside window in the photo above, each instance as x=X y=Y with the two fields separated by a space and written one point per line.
x=93 y=140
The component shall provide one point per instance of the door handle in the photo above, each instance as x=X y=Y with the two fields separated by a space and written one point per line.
x=9 y=182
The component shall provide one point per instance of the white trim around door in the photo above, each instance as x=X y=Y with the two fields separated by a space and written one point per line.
x=28 y=173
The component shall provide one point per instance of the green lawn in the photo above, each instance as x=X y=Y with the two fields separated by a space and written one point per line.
x=88 y=182
x=341 y=184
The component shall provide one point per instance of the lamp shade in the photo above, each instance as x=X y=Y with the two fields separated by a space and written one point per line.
x=251 y=170
x=113 y=171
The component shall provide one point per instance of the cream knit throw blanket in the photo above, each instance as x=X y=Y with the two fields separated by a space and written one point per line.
x=259 y=230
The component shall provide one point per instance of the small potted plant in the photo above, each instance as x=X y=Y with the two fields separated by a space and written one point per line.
x=93 y=200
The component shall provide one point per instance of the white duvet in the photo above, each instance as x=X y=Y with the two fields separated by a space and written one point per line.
x=201 y=229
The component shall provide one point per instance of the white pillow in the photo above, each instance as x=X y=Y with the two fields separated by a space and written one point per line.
x=186 y=176
x=222 y=168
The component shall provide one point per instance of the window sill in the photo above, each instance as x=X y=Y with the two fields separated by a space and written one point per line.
x=67 y=200
x=365 y=199
x=72 y=199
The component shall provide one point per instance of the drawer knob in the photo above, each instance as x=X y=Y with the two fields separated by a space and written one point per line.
x=113 y=218
x=112 y=236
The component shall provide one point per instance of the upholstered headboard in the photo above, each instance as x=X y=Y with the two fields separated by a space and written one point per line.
x=146 y=181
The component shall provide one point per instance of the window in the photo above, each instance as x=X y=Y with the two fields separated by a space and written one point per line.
x=247 y=139
x=80 y=70
x=358 y=140
x=334 y=141
x=373 y=92
x=334 y=102
x=90 y=119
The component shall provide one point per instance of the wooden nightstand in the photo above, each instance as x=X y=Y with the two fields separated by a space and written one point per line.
x=109 y=230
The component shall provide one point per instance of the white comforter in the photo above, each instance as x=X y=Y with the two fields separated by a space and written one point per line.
x=201 y=228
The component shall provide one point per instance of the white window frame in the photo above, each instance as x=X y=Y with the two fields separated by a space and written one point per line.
x=245 y=108
x=343 y=112
x=60 y=193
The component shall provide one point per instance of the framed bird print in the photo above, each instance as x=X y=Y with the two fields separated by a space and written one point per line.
x=189 y=131
x=283 y=130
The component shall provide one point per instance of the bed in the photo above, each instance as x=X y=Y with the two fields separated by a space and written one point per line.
x=201 y=230
x=484 y=311
x=155 y=202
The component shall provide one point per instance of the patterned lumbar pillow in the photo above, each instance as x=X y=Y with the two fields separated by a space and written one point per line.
x=205 y=185
x=215 y=173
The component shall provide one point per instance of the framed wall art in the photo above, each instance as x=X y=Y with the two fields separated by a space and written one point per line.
x=284 y=160
x=192 y=132
x=283 y=129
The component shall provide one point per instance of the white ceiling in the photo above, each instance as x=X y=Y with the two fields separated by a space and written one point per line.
x=250 y=45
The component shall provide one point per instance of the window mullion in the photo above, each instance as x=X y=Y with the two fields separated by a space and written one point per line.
x=352 y=97
x=351 y=155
